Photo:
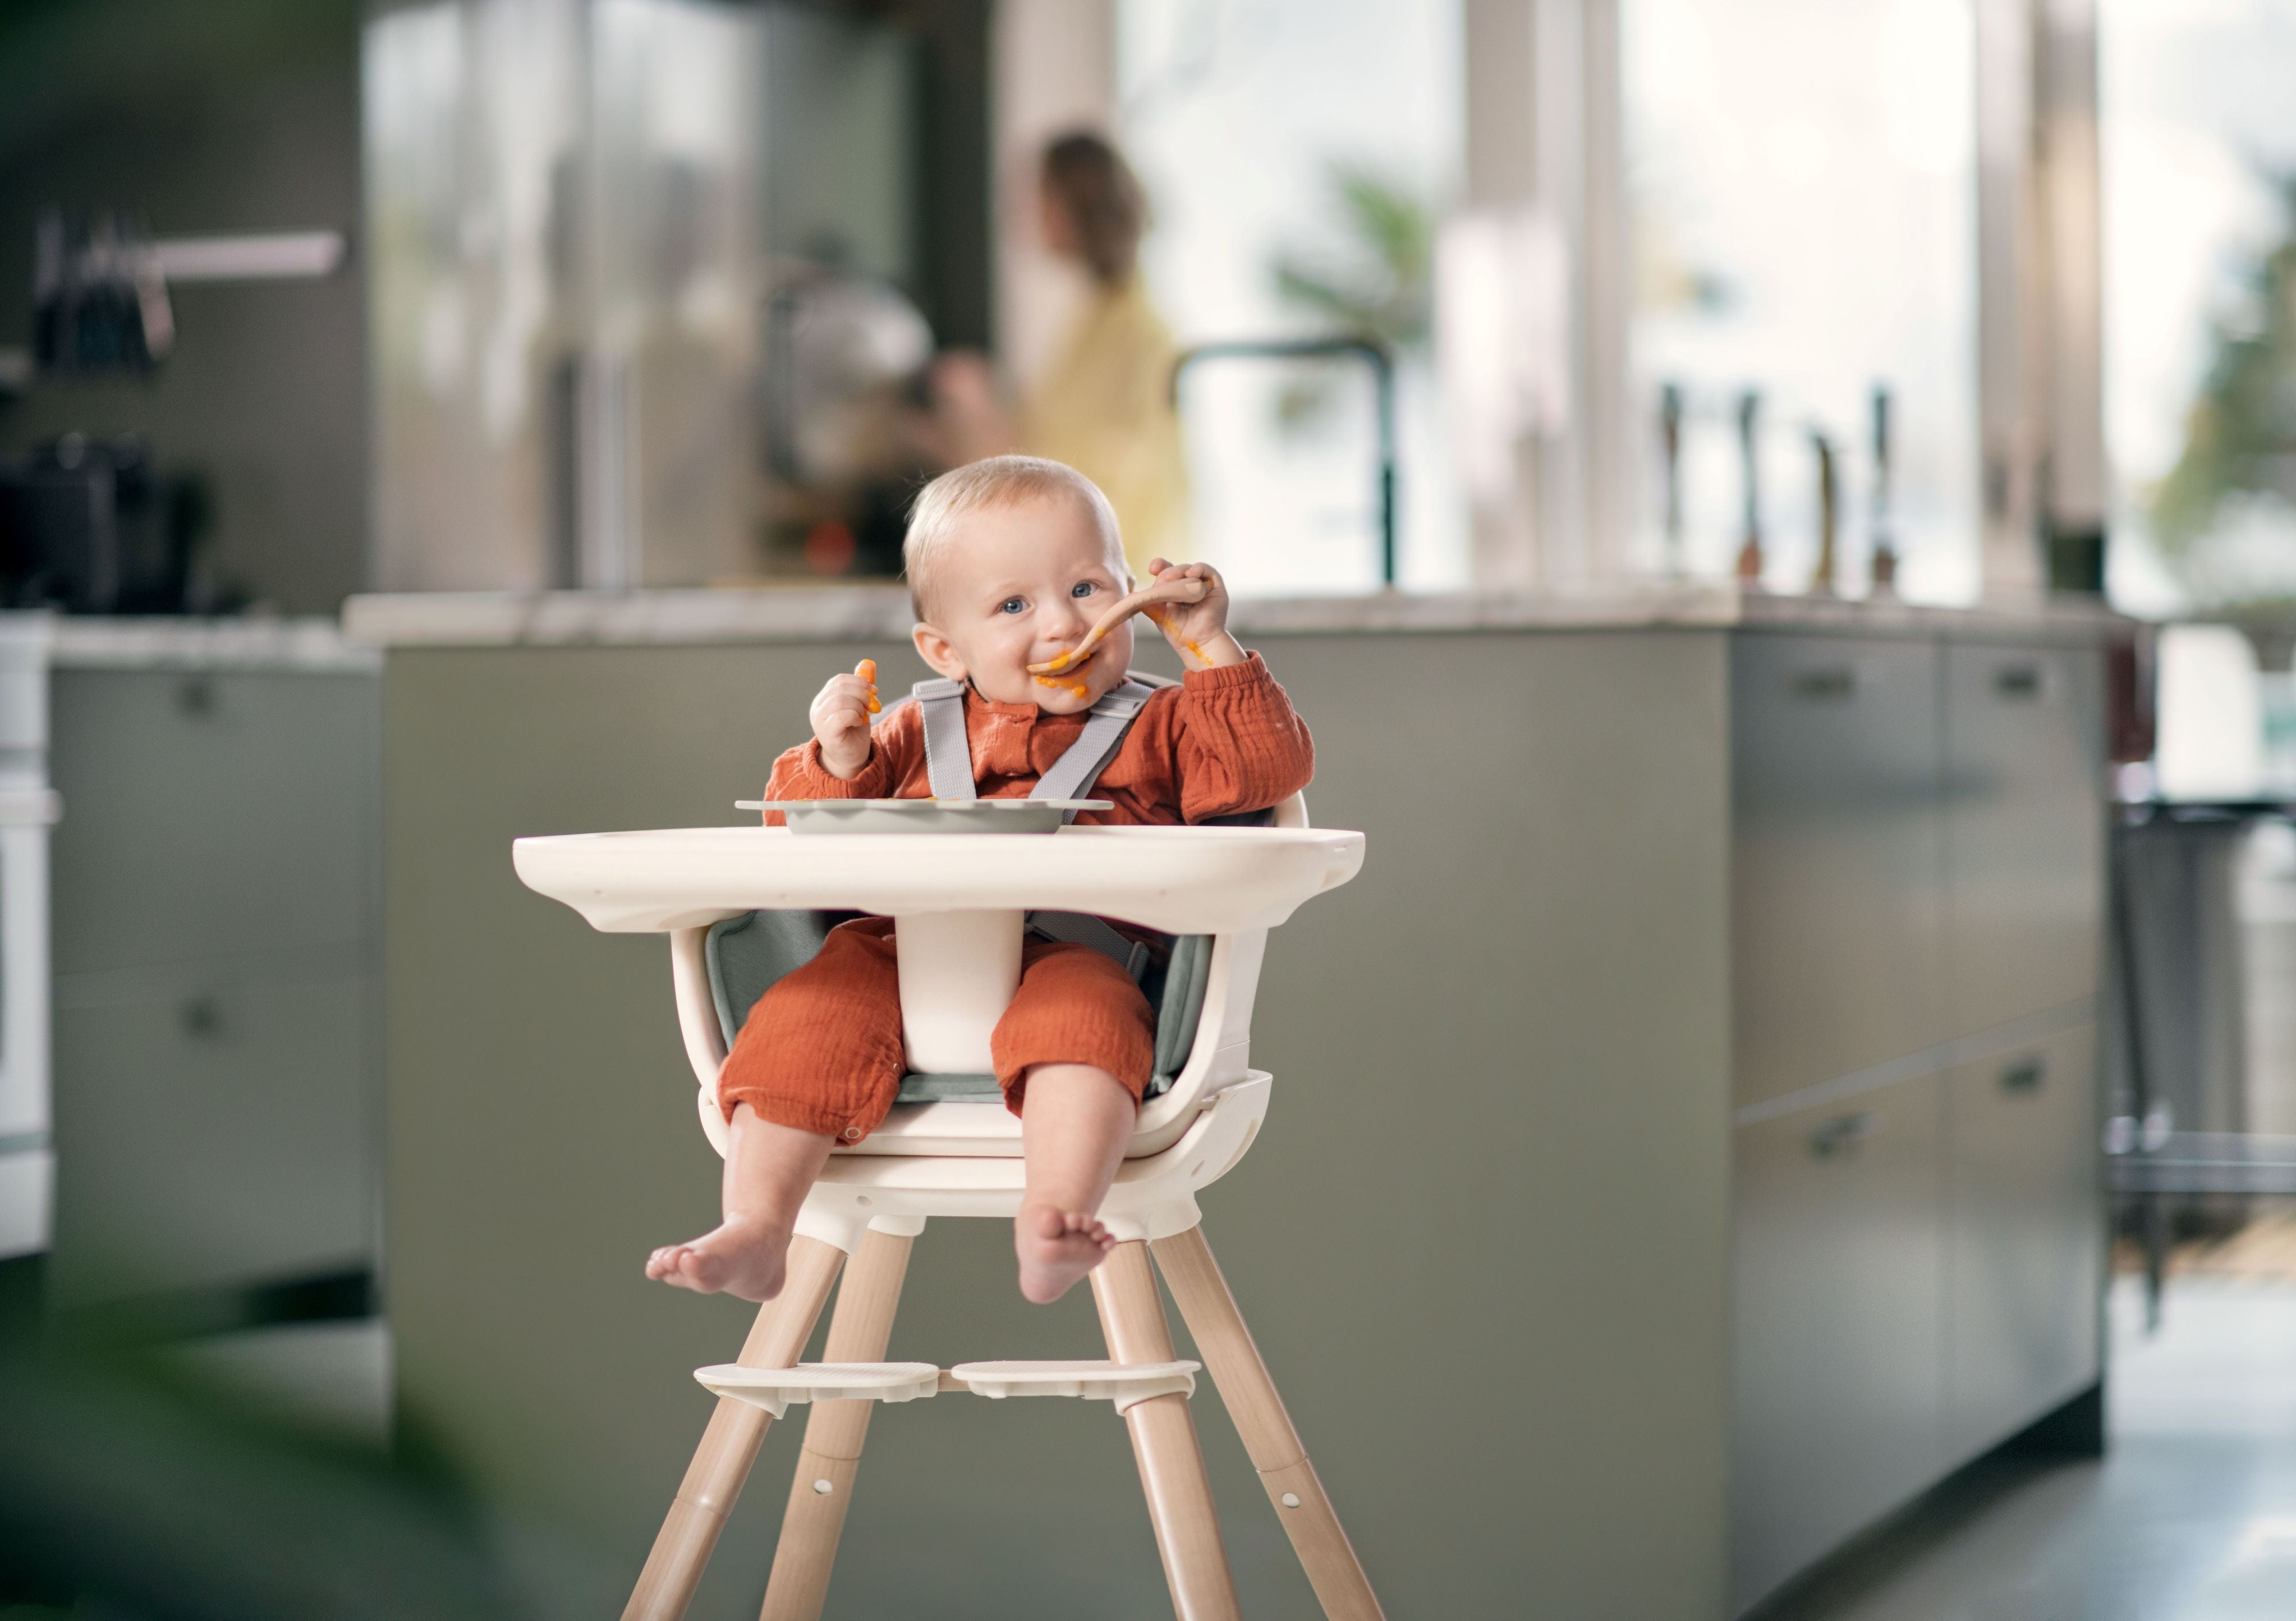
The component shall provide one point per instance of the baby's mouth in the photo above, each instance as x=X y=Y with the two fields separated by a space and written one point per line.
x=1063 y=673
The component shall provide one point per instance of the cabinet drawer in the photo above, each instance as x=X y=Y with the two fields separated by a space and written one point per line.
x=1837 y=1391
x=211 y=1135
x=211 y=813
x=1836 y=856
x=2025 y=1237
x=2024 y=793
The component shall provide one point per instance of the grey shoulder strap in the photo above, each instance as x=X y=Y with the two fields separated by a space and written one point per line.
x=1072 y=775
x=948 y=754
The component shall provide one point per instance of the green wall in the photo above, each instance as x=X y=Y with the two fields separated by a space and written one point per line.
x=1483 y=1242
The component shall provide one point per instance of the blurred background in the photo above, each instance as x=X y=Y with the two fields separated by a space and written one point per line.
x=426 y=423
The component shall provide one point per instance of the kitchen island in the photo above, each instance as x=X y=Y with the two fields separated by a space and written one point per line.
x=1696 y=1094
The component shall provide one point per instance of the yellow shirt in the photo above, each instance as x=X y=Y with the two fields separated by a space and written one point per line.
x=1105 y=408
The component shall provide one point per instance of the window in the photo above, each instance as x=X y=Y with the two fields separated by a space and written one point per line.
x=1801 y=180
x=1297 y=154
x=2199 y=155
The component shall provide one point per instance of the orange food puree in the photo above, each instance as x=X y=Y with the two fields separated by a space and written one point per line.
x=1077 y=687
x=1156 y=617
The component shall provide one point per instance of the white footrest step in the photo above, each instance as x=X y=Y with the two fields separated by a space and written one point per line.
x=774 y=1389
x=1123 y=1383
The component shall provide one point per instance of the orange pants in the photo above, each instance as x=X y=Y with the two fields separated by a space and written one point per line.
x=822 y=1050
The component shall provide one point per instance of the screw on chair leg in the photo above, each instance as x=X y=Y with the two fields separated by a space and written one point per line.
x=859 y=1331
x=729 y=1445
x=1164 y=1443
x=1241 y=1377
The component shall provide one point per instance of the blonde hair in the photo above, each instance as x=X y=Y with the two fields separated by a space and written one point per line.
x=990 y=483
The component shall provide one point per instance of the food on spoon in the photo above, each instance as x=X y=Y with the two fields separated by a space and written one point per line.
x=1161 y=590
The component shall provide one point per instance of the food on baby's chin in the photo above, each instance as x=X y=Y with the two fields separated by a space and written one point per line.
x=1076 y=687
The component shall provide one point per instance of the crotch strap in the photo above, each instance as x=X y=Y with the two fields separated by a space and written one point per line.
x=948 y=753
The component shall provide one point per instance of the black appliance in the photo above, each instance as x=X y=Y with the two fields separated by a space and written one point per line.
x=88 y=525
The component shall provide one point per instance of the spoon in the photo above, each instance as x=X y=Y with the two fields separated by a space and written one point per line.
x=1139 y=601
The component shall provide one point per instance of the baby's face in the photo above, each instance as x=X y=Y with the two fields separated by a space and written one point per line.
x=1020 y=585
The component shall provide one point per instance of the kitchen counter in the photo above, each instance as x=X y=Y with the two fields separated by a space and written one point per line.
x=250 y=644
x=1737 y=955
x=830 y=613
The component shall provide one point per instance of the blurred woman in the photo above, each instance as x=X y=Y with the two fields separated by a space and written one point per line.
x=1103 y=405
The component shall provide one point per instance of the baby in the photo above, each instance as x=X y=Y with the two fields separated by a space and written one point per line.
x=1010 y=562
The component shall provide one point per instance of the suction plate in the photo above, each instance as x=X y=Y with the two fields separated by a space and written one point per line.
x=924 y=815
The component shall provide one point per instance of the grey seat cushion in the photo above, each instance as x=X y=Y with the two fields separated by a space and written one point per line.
x=746 y=955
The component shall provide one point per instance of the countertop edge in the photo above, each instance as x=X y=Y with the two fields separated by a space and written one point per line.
x=313 y=645
x=493 y=620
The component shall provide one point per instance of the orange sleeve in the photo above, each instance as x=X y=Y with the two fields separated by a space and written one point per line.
x=1237 y=743
x=895 y=744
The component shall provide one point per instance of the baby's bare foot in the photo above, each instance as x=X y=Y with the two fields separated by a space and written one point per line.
x=1056 y=1247
x=741 y=1258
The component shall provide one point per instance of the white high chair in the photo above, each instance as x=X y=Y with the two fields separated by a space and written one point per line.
x=959 y=906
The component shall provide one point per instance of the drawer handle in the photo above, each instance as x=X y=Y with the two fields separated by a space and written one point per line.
x=1824 y=686
x=2018 y=682
x=1840 y=1136
x=2024 y=1077
x=200 y=1018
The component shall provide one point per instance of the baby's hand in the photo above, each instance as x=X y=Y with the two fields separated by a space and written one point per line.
x=1198 y=630
x=840 y=720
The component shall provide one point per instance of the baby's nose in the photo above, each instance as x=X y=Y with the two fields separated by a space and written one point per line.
x=1067 y=621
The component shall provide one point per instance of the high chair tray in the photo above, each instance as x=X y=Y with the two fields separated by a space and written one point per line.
x=1180 y=880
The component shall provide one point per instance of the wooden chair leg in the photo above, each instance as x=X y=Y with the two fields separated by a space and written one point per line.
x=729 y=1445
x=859 y=1331
x=1234 y=1361
x=1164 y=1443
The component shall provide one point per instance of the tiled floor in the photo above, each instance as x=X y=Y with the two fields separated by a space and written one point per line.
x=2191 y=1518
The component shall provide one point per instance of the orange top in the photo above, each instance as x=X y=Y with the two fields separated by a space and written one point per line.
x=1224 y=741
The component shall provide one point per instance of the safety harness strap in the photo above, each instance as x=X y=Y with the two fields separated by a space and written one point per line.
x=948 y=754
x=1082 y=928
x=1072 y=775
x=948 y=769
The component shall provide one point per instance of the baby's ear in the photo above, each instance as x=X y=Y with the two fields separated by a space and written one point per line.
x=936 y=651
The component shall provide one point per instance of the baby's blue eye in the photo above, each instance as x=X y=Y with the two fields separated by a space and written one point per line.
x=1084 y=588
x=1010 y=604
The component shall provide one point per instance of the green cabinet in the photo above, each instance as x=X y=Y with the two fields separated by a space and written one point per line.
x=215 y=907
x=1917 y=877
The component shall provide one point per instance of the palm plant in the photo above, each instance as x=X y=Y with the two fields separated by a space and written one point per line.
x=1371 y=278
